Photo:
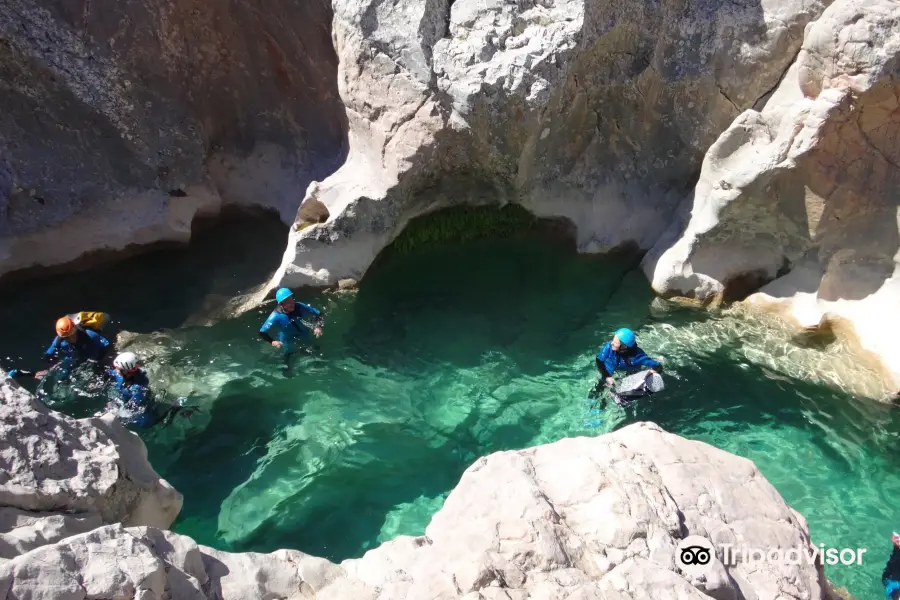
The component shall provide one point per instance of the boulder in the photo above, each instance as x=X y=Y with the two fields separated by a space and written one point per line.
x=802 y=192
x=60 y=476
x=580 y=518
x=594 y=110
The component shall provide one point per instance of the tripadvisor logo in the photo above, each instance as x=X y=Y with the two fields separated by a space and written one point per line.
x=695 y=553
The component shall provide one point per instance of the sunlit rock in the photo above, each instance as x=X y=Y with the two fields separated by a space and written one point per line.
x=594 y=110
x=803 y=191
x=62 y=476
x=580 y=518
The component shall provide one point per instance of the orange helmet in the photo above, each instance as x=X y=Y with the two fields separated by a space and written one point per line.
x=65 y=327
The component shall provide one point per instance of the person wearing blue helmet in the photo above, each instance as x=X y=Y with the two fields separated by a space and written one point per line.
x=290 y=320
x=622 y=353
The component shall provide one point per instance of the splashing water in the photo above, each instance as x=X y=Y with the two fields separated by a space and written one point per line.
x=455 y=352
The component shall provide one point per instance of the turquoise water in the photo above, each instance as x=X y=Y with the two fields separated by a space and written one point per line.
x=458 y=351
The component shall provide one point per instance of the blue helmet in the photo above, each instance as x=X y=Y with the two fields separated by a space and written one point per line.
x=282 y=295
x=626 y=336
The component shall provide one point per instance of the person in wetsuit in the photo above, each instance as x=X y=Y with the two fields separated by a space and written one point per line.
x=135 y=403
x=621 y=353
x=288 y=318
x=890 y=577
x=72 y=346
x=133 y=388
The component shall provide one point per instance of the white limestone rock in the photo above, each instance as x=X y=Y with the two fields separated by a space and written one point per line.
x=60 y=476
x=593 y=110
x=805 y=190
x=580 y=518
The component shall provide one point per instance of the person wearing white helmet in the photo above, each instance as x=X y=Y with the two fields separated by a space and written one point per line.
x=133 y=387
x=136 y=405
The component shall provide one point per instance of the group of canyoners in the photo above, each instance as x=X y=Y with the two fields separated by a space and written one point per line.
x=292 y=325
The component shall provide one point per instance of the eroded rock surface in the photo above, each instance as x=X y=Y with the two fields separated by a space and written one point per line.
x=594 y=110
x=580 y=518
x=119 y=123
x=803 y=192
x=61 y=476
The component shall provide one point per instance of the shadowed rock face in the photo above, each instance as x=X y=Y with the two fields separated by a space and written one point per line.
x=121 y=121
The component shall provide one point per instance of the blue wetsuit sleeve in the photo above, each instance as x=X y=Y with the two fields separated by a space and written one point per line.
x=99 y=344
x=640 y=359
x=138 y=394
x=603 y=358
x=311 y=311
x=50 y=353
x=264 y=330
x=604 y=352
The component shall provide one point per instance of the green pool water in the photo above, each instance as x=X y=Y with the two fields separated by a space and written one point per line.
x=453 y=352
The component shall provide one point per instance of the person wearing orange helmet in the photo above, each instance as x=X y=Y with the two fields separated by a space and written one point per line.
x=73 y=345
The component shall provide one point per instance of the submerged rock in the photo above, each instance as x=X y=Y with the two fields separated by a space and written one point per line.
x=803 y=191
x=60 y=476
x=579 y=518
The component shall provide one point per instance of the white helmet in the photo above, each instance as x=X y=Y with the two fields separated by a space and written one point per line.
x=127 y=361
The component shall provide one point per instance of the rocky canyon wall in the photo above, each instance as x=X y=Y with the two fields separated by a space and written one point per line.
x=121 y=121
x=597 y=111
x=739 y=142
x=60 y=477
x=803 y=193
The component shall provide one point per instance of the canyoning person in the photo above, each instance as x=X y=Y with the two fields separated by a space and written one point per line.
x=74 y=344
x=890 y=577
x=134 y=401
x=289 y=319
x=133 y=389
x=621 y=354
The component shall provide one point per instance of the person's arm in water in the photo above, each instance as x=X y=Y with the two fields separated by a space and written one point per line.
x=139 y=395
x=890 y=577
x=639 y=358
x=51 y=356
x=603 y=357
x=52 y=351
x=312 y=311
